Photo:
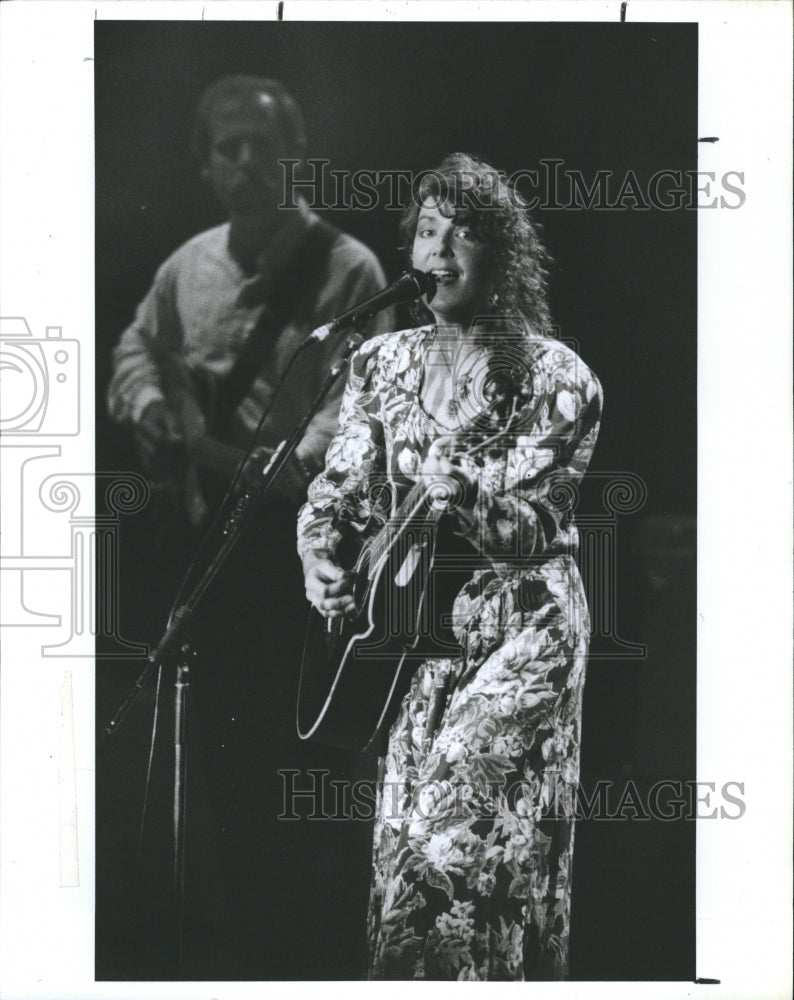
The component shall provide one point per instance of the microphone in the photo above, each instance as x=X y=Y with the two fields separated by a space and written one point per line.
x=410 y=286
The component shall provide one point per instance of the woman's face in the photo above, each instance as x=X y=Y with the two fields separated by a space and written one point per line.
x=458 y=261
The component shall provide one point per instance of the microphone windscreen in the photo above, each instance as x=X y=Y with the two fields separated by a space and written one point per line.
x=425 y=283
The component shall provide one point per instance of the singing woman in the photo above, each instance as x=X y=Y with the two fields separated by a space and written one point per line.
x=472 y=857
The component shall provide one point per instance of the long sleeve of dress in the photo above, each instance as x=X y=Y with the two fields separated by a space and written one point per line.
x=341 y=497
x=525 y=497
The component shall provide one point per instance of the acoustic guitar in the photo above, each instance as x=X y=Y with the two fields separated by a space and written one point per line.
x=356 y=668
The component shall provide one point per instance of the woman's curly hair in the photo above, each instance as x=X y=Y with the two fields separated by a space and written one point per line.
x=478 y=195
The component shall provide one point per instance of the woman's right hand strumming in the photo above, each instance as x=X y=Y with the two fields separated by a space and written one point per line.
x=328 y=587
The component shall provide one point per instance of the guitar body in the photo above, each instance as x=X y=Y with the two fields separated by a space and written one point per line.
x=356 y=669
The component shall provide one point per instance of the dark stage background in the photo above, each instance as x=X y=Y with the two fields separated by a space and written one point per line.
x=400 y=96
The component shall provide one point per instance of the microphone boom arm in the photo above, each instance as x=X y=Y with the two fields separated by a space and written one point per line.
x=407 y=288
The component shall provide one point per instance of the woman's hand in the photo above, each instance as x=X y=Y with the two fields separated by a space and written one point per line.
x=328 y=588
x=445 y=464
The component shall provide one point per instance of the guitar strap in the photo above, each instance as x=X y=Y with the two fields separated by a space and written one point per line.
x=295 y=275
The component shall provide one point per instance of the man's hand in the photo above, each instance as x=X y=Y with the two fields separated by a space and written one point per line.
x=328 y=587
x=159 y=438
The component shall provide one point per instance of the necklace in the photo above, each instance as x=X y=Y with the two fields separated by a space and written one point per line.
x=460 y=393
x=460 y=380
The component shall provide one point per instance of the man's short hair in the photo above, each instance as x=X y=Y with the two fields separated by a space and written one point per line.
x=240 y=88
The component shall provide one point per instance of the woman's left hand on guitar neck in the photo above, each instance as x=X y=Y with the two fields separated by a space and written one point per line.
x=448 y=466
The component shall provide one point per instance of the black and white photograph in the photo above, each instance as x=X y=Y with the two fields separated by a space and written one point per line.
x=378 y=150
x=403 y=634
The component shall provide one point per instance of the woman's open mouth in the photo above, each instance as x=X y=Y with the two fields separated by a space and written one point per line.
x=444 y=276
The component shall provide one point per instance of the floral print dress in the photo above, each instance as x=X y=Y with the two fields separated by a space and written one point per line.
x=473 y=840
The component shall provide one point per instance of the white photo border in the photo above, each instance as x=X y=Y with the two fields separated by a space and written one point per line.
x=744 y=489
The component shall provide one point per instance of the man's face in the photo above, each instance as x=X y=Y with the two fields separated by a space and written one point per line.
x=246 y=143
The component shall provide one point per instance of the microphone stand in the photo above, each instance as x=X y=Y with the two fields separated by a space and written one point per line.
x=174 y=648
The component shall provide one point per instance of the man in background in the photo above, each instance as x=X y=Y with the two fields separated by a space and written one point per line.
x=229 y=307
x=192 y=375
